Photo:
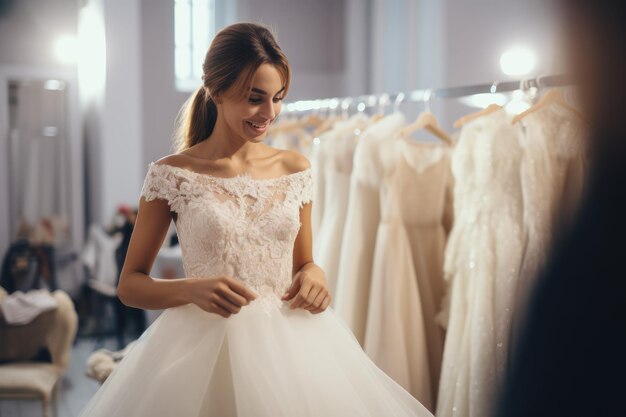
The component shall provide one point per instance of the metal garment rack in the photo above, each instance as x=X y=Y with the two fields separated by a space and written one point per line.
x=428 y=94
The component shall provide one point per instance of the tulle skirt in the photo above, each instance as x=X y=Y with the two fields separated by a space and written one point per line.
x=288 y=363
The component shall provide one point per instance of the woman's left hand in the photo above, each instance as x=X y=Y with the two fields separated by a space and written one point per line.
x=309 y=289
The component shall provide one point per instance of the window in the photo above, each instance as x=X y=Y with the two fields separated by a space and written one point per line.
x=195 y=24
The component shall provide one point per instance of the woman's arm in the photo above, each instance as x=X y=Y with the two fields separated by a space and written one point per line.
x=309 y=288
x=220 y=295
x=136 y=288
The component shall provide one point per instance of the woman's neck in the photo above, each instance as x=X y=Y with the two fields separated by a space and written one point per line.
x=226 y=144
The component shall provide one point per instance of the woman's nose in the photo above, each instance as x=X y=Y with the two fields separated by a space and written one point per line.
x=267 y=111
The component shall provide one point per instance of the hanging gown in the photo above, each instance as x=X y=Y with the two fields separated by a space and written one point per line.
x=552 y=183
x=407 y=286
x=363 y=215
x=482 y=262
x=267 y=360
x=338 y=153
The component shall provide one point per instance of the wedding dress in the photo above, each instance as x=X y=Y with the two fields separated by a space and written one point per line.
x=267 y=360
x=552 y=173
x=338 y=152
x=482 y=263
x=359 y=233
x=407 y=285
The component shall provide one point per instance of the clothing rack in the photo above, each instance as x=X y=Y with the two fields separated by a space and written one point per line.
x=426 y=95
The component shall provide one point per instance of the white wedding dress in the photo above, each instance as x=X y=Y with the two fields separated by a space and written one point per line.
x=267 y=360
x=362 y=218
x=482 y=263
x=552 y=171
x=338 y=152
x=407 y=285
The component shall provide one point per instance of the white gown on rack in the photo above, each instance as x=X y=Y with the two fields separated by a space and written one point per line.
x=267 y=360
x=482 y=262
x=407 y=285
x=552 y=183
x=363 y=215
x=338 y=152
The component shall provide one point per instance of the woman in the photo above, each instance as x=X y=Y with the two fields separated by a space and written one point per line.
x=248 y=332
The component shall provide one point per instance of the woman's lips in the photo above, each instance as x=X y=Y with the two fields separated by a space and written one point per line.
x=258 y=127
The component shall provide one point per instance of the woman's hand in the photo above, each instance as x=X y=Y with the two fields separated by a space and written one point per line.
x=220 y=295
x=309 y=289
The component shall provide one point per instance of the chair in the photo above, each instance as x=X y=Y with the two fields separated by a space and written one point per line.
x=24 y=378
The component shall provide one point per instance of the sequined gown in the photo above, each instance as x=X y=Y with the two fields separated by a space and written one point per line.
x=482 y=262
x=267 y=360
x=552 y=173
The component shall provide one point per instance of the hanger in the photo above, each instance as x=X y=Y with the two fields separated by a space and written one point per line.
x=484 y=112
x=383 y=99
x=345 y=107
x=552 y=96
x=396 y=103
x=330 y=119
x=427 y=120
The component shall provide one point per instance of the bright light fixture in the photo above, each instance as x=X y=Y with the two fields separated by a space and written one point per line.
x=92 y=47
x=518 y=61
x=66 y=49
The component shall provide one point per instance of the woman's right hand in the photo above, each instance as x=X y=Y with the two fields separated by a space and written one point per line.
x=220 y=295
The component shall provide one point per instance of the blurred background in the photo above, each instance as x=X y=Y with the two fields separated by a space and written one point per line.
x=90 y=90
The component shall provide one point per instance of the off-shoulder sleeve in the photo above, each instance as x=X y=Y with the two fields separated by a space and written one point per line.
x=303 y=186
x=159 y=183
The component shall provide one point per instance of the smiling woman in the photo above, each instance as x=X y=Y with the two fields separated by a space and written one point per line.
x=247 y=331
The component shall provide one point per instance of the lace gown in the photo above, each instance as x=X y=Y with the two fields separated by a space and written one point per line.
x=407 y=285
x=482 y=262
x=267 y=360
x=552 y=172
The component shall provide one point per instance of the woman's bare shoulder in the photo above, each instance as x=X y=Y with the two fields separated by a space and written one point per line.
x=294 y=161
x=178 y=160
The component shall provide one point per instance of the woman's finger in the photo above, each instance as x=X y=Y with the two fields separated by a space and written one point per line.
x=217 y=309
x=313 y=295
x=227 y=305
x=234 y=298
x=317 y=302
x=301 y=297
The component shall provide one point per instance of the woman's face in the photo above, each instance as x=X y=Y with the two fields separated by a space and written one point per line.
x=250 y=117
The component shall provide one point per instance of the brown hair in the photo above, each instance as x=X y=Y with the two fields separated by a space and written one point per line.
x=234 y=55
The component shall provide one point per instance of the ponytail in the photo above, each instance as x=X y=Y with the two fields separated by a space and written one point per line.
x=196 y=119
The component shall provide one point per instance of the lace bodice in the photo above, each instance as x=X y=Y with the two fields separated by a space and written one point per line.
x=239 y=226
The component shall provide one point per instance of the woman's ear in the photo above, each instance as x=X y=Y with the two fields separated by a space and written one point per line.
x=217 y=99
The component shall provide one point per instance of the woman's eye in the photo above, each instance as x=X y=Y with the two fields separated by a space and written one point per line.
x=255 y=100
x=277 y=99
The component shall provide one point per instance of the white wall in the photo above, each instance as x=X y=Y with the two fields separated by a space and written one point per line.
x=160 y=99
x=121 y=127
x=29 y=29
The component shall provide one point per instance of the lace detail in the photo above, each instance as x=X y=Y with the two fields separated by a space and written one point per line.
x=238 y=226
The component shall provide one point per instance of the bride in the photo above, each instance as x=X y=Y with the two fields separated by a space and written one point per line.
x=248 y=331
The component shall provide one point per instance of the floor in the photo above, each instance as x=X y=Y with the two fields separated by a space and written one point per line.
x=76 y=387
